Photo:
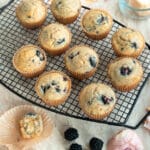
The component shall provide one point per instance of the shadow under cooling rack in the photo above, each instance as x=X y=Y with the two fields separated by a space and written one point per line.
x=13 y=36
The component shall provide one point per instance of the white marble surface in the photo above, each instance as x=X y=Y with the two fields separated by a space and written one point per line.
x=4 y=2
x=89 y=129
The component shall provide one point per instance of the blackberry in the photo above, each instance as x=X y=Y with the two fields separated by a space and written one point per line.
x=71 y=134
x=75 y=146
x=96 y=144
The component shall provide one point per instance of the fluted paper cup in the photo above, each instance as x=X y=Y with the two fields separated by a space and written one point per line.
x=10 y=131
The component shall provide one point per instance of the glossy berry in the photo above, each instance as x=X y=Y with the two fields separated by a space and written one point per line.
x=106 y=100
x=101 y=19
x=75 y=146
x=60 y=41
x=40 y=55
x=30 y=114
x=58 y=89
x=45 y=88
x=125 y=70
x=92 y=61
x=71 y=134
x=65 y=78
x=54 y=82
x=134 y=45
x=96 y=144
x=74 y=54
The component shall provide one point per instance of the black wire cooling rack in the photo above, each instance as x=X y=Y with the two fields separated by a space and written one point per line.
x=13 y=36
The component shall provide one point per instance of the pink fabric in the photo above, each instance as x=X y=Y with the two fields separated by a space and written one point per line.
x=125 y=140
x=147 y=123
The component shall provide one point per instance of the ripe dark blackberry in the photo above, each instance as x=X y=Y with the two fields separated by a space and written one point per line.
x=96 y=144
x=75 y=146
x=71 y=134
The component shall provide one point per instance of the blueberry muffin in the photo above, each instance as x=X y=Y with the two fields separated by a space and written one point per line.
x=29 y=60
x=125 y=73
x=128 y=42
x=97 y=100
x=65 y=11
x=31 y=125
x=55 y=38
x=81 y=61
x=96 y=24
x=53 y=87
x=31 y=13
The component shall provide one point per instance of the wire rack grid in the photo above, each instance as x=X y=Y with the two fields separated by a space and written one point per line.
x=13 y=36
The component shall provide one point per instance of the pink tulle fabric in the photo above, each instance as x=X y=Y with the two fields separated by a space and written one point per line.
x=147 y=123
x=125 y=140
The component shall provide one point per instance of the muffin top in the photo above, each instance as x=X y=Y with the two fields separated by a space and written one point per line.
x=97 y=98
x=54 y=36
x=31 y=125
x=29 y=58
x=128 y=41
x=31 y=11
x=96 y=21
x=65 y=8
x=53 y=85
x=81 y=59
x=125 y=71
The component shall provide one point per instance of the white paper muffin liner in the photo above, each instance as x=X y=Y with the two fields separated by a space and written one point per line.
x=10 y=132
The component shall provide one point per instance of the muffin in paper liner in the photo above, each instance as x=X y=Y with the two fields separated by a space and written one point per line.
x=97 y=100
x=125 y=73
x=31 y=13
x=96 y=24
x=65 y=11
x=82 y=66
x=10 y=134
x=29 y=60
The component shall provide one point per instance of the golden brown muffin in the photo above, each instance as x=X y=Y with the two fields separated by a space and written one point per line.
x=81 y=61
x=96 y=23
x=53 y=87
x=125 y=73
x=31 y=13
x=66 y=11
x=97 y=100
x=29 y=60
x=55 y=38
x=128 y=42
x=31 y=125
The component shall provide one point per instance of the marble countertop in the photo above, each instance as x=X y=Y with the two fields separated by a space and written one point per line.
x=89 y=129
